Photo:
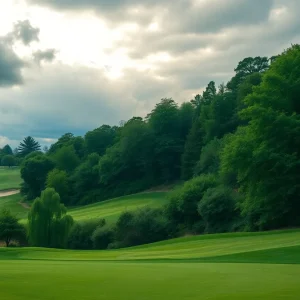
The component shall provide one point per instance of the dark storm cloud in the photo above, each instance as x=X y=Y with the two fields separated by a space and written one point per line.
x=10 y=65
x=181 y=15
x=76 y=99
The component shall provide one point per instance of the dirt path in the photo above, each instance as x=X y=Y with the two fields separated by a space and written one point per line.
x=8 y=193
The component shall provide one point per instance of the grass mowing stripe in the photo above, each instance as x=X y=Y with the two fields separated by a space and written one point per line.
x=194 y=249
x=137 y=281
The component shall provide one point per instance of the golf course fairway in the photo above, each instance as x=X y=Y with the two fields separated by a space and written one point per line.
x=223 y=267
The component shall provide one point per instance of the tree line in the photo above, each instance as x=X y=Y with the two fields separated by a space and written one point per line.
x=235 y=147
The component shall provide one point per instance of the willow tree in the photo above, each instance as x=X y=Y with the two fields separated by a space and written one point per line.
x=48 y=223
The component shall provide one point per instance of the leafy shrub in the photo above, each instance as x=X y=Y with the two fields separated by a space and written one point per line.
x=141 y=227
x=81 y=233
x=188 y=196
x=218 y=209
x=102 y=237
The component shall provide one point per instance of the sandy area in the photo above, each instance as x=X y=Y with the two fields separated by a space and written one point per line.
x=8 y=193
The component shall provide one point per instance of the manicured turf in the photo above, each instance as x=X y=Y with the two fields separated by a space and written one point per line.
x=10 y=178
x=13 y=204
x=111 y=209
x=115 y=281
x=262 y=266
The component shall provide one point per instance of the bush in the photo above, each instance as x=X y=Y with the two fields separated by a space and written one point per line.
x=188 y=197
x=141 y=227
x=81 y=233
x=102 y=237
x=218 y=209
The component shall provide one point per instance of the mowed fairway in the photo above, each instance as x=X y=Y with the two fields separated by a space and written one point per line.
x=12 y=203
x=111 y=209
x=10 y=178
x=63 y=274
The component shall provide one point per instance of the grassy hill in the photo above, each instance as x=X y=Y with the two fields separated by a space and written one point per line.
x=111 y=209
x=223 y=267
x=12 y=203
x=9 y=178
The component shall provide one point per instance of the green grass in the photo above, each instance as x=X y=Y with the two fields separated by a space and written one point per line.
x=261 y=266
x=111 y=209
x=10 y=178
x=12 y=203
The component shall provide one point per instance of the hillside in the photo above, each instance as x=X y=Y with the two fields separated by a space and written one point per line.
x=110 y=209
x=254 y=266
x=9 y=178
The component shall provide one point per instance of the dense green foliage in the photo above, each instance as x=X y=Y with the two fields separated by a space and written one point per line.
x=48 y=224
x=10 y=229
x=236 y=145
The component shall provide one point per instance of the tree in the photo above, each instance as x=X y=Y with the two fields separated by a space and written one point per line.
x=209 y=158
x=8 y=161
x=265 y=153
x=246 y=67
x=10 y=229
x=6 y=150
x=186 y=114
x=218 y=209
x=48 y=222
x=85 y=178
x=164 y=120
x=58 y=180
x=69 y=140
x=128 y=164
x=192 y=150
x=34 y=171
x=28 y=146
x=98 y=140
x=66 y=158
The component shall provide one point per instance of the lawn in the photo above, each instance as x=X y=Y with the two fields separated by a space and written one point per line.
x=10 y=178
x=12 y=203
x=261 y=266
x=111 y=209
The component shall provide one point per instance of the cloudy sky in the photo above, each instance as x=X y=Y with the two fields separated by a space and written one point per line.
x=72 y=65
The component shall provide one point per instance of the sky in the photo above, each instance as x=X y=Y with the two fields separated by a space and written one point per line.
x=73 y=65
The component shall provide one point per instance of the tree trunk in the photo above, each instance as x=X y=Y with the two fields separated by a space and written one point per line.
x=7 y=241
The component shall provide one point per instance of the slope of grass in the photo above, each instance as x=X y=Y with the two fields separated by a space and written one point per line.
x=10 y=178
x=188 y=268
x=111 y=209
x=13 y=204
x=205 y=248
